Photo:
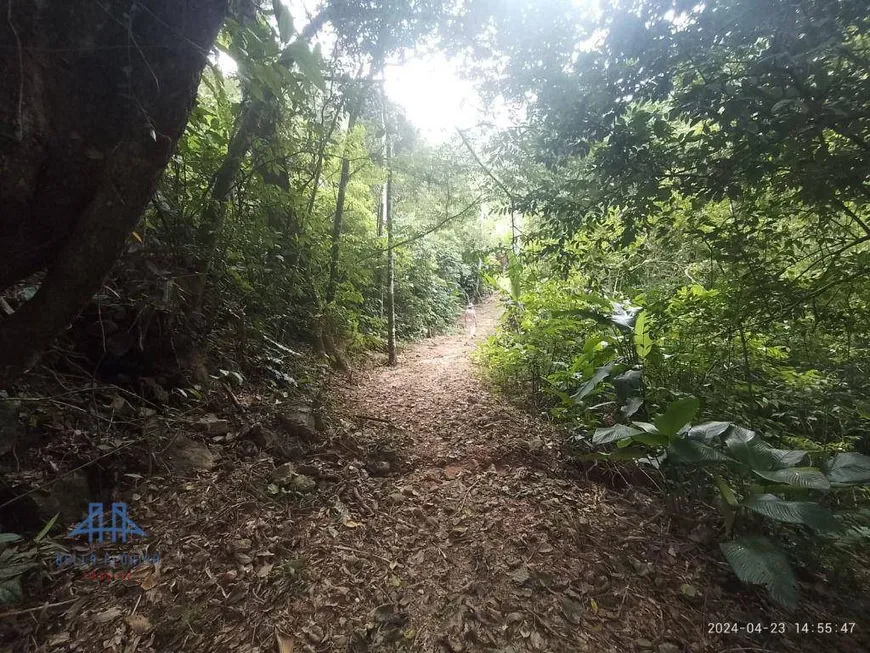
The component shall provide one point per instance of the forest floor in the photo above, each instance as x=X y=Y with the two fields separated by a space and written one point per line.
x=441 y=519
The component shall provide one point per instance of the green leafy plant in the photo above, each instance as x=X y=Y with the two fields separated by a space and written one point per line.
x=750 y=477
x=18 y=556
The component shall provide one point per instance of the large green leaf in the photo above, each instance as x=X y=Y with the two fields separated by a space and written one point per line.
x=627 y=384
x=696 y=452
x=45 y=529
x=590 y=385
x=515 y=275
x=652 y=439
x=808 y=513
x=8 y=571
x=759 y=561
x=623 y=317
x=677 y=415
x=728 y=506
x=631 y=406
x=299 y=52
x=748 y=447
x=642 y=340
x=613 y=433
x=810 y=478
x=725 y=490
x=285 y=20
x=848 y=469
x=9 y=537
x=708 y=431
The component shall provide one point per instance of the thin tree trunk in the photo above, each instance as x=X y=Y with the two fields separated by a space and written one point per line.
x=338 y=218
x=240 y=144
x=391 y=286
x=747 y=369
x=392 y=358
x=382 y=202
x=321 y=153
x=379 y=266
x=251 y=115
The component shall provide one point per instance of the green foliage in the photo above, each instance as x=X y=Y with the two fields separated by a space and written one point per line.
x=688 y=157
x=848 y=469
x=759 y=561
x=742 y=455
x=603 y=359
x=18 y=557
x=811 y=514
x=268 y=244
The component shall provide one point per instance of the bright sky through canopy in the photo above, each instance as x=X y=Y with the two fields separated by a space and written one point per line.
x=428 y=86
x=434 y=95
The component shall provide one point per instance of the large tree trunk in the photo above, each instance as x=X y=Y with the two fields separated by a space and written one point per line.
x=93 y=97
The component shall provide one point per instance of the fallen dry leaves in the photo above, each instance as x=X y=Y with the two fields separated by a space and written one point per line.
x=442 y=520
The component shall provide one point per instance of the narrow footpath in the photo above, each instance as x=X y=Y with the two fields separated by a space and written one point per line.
x=428 y=514
x=479 y=538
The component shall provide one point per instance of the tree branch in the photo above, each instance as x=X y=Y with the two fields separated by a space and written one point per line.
x=484 y=167
x=425 y=233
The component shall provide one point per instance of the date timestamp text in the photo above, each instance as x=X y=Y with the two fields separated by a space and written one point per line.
x=781 y=628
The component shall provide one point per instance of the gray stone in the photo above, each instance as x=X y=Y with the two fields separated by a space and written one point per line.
x=378 y=467
x=283 y=474
x=185 y=455
x=267 y=440
x=213 y=425
x=303 y=483
x=299 y=423
x=69 y=496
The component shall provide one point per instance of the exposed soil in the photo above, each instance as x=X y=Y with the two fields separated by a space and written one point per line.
x=444 y=519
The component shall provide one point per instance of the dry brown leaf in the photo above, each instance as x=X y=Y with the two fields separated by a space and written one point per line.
x=60 y=638
x=106 y=615
x=286 y=643
x=138 y=623
x=146 y=575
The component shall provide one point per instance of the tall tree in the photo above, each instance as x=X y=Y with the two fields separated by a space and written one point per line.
x=94 y=97
x=387 y=204
x=261 y=98
x=344 y=178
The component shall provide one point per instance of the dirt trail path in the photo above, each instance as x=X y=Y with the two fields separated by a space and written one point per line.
x=479 y=538
x=475 y=539
x=434 y=517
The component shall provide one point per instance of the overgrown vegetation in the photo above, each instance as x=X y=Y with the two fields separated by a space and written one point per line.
x=684 y=198
x=695 y=199
x=316 y=163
